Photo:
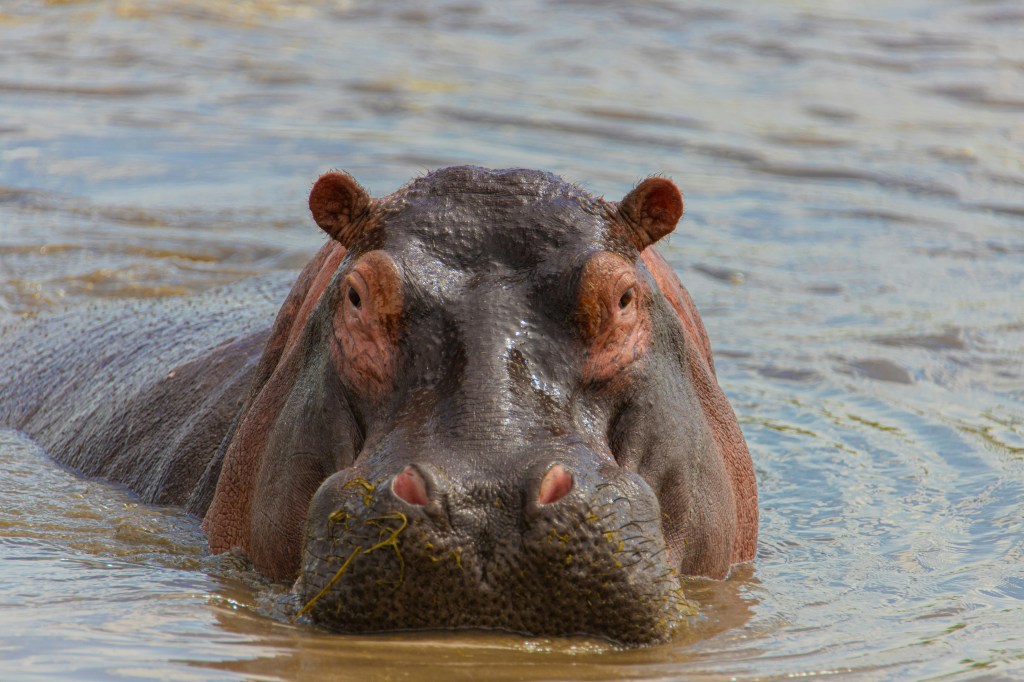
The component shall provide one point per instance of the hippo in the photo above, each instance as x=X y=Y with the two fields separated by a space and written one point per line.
x=487 y=402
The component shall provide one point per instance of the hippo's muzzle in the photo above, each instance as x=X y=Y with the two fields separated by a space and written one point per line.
x=568 y=549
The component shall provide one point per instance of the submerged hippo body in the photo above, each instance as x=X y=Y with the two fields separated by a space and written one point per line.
x=486 y=403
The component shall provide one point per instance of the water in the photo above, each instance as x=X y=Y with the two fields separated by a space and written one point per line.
x=854 y=178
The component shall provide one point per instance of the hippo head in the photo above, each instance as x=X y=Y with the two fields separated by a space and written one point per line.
x=488 y=403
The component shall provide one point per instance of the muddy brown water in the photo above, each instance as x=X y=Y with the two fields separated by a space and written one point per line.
x=854 y=177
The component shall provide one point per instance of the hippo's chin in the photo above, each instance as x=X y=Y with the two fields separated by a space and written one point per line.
x=598 y=570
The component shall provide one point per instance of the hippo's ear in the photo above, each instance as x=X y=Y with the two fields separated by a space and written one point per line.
x=650 y=211
x=341 y=207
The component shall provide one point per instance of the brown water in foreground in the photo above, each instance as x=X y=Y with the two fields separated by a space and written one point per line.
x=854 y=175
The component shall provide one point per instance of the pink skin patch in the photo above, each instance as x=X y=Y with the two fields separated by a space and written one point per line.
x=410 y=486
x=366 y=325
x=556 y=484
x=613 y=319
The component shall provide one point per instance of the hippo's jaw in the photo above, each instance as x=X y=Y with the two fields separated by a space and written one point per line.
x=591 y=561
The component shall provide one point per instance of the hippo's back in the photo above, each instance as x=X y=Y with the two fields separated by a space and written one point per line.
x=139 y=392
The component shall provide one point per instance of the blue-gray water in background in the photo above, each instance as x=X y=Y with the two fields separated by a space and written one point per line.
x=854 y=235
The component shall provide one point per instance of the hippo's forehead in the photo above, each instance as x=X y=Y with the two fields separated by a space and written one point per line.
x=481 y=221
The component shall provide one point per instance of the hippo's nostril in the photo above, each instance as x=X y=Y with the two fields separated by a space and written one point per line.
x=556 y=484
x=410 y=486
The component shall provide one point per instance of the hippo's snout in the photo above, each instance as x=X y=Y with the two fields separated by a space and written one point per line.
x=563 y=550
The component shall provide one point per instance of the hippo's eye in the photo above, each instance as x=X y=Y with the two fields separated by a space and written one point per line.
x=626 y=299
x=353 y=298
